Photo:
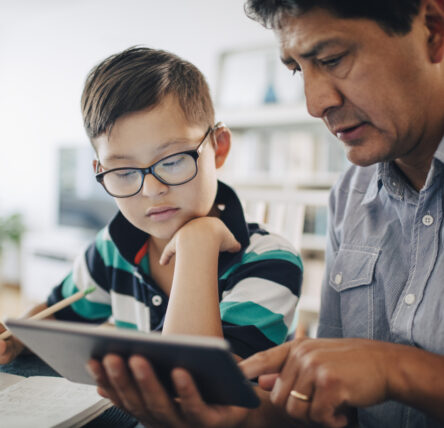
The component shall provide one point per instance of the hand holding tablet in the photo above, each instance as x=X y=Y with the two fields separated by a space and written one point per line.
x=67 y=347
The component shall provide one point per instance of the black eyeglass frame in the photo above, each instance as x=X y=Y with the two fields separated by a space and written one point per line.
x=195 y=153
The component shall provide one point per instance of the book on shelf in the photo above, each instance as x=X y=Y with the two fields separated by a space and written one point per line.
x=45 y=401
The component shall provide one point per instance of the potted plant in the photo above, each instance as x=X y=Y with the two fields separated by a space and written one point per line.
x=11 y=232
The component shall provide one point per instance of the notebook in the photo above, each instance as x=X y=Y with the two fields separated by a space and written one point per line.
x=43 y=401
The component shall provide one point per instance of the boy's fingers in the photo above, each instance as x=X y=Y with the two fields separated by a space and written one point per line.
x=168 y=252
x=235 y=246
x=5 y=353
x=229 y=242
x=9 y=349
x=265 y=362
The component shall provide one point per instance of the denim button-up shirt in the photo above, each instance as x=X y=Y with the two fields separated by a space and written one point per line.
x=385 y=268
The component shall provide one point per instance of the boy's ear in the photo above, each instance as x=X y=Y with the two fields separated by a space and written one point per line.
x=222 y=138
x=434 y=19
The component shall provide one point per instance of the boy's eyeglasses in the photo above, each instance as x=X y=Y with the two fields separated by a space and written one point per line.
x=172 y=170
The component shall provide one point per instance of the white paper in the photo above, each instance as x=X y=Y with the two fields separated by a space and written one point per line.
x=7 y=379
x=48 y=402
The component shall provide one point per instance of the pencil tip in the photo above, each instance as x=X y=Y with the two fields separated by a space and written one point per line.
x=89 y=290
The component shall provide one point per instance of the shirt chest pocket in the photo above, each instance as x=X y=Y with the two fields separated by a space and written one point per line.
x=352 y=277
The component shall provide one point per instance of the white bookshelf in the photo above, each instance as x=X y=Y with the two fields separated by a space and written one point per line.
x=281 y=153
x=274 y=115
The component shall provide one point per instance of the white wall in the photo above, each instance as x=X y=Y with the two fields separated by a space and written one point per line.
x=48 y=46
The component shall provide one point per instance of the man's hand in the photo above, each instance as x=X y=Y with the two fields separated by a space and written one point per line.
x=335 y=374
x=9 y=348
x=139 y=392
x=201 y=231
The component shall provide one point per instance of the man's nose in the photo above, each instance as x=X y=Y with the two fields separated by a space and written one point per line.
x=321 y=94
x=153 y=187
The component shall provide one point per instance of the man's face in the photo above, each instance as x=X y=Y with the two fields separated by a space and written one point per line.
x=142 y=138
x=371 y=89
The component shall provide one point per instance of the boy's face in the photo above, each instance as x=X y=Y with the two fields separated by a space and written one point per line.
x=375 y=92
x=142 y=138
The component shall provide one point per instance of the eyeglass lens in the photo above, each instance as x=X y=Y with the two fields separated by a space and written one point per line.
x=175 y=169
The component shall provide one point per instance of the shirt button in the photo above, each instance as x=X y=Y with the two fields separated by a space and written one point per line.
x=157 y=300
x=409 y=299
x=427 y=220
x=338 y=278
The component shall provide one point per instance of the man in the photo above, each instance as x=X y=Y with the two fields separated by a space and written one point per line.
x=373 y=71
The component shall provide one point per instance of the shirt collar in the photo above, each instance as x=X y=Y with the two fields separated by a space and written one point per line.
x=373 y=187
x=130 y=240
x=394 y=183
x=439 y=154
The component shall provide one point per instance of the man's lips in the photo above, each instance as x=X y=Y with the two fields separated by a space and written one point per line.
x=349 y=133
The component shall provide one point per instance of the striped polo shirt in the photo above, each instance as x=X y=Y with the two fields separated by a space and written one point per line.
x=259 y=286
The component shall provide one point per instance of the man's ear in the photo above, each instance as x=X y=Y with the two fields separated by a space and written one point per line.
x=94 y=164
x=434 y=18
x=222 y=139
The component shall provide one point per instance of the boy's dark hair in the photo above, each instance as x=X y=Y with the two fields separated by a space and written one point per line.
x=393 y=16
x=137 y=79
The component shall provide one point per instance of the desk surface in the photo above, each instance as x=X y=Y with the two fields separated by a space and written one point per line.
x=31 y=365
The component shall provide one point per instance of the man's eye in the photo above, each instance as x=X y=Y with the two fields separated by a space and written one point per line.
x=295 y=70
x=332 y=62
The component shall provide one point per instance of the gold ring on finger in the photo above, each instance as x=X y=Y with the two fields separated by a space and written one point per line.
x=299 y=395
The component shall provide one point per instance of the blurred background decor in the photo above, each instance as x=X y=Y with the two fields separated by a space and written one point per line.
x=282 y=162
x=11 y=232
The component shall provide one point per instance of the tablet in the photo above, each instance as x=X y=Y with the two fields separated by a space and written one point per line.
x=67 y=346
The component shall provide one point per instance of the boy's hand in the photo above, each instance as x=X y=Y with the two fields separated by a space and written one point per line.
x=9 y=348
x=202 y=233
x=136 y=389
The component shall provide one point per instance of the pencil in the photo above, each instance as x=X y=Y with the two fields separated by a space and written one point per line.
x=54 y=308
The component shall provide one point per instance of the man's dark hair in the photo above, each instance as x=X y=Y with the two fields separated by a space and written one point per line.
x=393 y=16
x=139 y=78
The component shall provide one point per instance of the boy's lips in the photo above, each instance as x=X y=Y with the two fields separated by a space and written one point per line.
x=161 y=213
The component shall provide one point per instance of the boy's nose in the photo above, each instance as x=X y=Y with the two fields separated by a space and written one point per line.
x=153 y=187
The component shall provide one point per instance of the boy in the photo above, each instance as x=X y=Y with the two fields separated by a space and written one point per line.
x=178 y=257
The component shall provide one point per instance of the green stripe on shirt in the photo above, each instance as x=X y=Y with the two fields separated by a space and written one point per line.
x=270 y=324
x=83 y=307
x=267 y=255
x=124 y=324
x=111 y=255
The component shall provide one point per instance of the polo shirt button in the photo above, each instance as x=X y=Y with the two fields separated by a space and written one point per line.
x=157 y=300
x=409 y=299
x=427 y=220
x=338 y=278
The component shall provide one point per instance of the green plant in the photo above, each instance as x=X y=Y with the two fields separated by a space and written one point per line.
x=11 y=229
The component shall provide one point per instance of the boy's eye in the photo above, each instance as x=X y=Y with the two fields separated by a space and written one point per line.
x=173 y=161
x=125 y=174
